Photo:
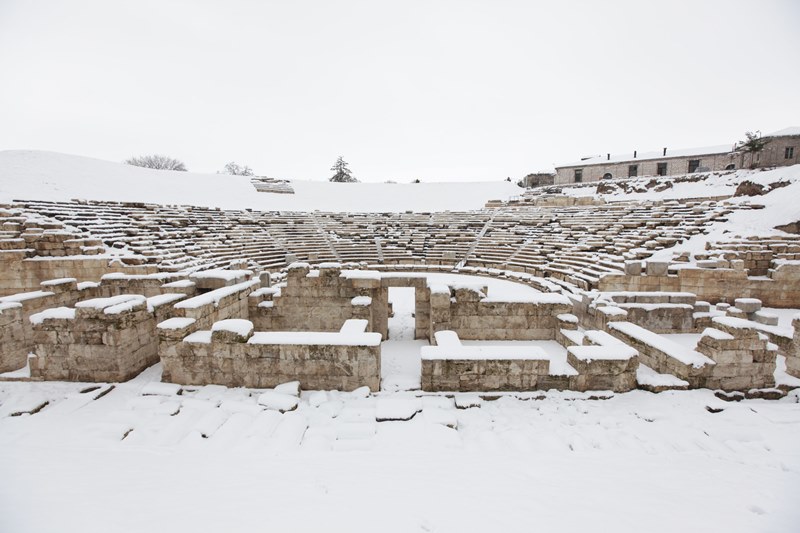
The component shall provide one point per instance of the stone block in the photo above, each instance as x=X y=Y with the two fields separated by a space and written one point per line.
x=633 y=268
x=748 y=305
x=657 y=268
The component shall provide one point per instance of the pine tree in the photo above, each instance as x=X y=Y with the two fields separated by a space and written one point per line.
x=342 y=173
x=752 y=146
x=754 y=143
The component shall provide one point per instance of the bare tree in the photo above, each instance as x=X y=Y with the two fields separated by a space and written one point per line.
x=237 y=170
x=161 y=162
x=343 y=174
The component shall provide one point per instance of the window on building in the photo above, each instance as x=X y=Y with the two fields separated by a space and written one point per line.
x=730 y=167
x=661 y=169
x=607 y=176
x=693 y=164
x=633 y=171
x=788 y=153
x=578 y=175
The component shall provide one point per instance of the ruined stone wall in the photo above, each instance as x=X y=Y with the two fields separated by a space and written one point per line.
x=230 y=360
x=781 y=290
x=744 y=358
x=322 y=300
x=793 y=354
x=95 y=345
x=473 y=316
x=487 y=375
x=13 y=345
x=52 y=293
x=219 y=304
x=19 y=273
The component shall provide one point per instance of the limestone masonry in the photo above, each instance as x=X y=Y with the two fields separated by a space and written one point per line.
x=100 y=291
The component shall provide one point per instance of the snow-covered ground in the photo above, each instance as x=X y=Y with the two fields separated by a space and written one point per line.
x=39 y=175
x=550 y=461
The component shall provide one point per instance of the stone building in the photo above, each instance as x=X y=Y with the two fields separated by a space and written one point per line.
x=782 y=149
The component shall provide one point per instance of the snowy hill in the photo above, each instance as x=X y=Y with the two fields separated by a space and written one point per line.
x=30 y=174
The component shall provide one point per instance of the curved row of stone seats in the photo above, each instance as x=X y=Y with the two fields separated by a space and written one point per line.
x=660 y=312
x=756 y=253
x=711 y=281
x=572 y=244
x=231 y=353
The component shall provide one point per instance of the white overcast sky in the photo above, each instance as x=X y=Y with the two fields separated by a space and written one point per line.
x=436 y=90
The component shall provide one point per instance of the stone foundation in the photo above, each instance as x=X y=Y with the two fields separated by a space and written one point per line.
x=320 y=361
x=107 y=340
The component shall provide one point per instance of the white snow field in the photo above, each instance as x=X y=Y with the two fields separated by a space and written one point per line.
x=40 y=175
x=213 y=459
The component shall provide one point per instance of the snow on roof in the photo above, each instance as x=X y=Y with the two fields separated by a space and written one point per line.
x=794 y=130
x=604 y=159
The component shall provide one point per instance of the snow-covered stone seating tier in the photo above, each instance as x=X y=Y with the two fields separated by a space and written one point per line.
x=232 y=354
x=733 y=355
x=218 y=278
x=451 y=366
x=219 y=304
x=571 y=244
x=662 y=354
x=603 y=363
x=744 y=357
x=775 y=282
